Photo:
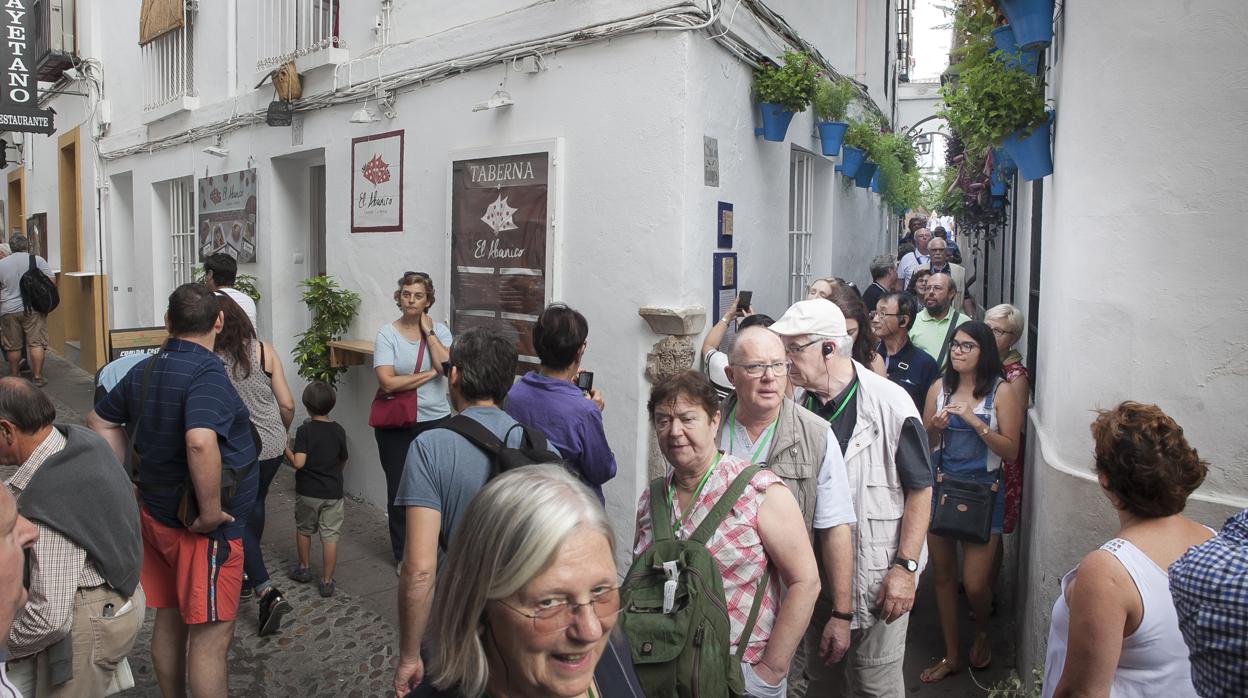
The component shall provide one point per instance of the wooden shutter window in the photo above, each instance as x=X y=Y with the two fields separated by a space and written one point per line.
x=159 y=17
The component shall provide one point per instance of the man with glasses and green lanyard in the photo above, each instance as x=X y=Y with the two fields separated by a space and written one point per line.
x=765 y=427
x=881 y=436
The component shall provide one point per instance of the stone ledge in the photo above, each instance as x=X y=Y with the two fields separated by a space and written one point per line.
x=675 y=321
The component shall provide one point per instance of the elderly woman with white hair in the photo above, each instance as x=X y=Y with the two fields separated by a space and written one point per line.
x=1006 y=322
x=530 y=596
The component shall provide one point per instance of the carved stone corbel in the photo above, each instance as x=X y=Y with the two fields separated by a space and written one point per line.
x=671 y=355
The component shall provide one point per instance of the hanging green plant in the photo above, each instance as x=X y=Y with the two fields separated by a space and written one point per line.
x=832 y=99
x=333 y=308
x=791 y=85
x=862 y=134
x=990 y=101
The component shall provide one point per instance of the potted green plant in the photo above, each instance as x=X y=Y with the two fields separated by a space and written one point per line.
x=333 y=308
x=859 y=138
x=831 y=103
x=993 y=104
x=784 y=90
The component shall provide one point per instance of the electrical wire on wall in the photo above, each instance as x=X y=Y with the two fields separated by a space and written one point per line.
x=682 y=17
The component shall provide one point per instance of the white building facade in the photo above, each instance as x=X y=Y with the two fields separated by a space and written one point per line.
x=622 y=98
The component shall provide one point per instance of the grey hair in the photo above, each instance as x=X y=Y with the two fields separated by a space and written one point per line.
x=844 y=344
x=1009 y=315
x=25 y=406
x=19 y=243
x=880 y=266
x=510 y=533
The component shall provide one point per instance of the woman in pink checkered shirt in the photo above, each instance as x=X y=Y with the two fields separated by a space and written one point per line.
x=765 y=528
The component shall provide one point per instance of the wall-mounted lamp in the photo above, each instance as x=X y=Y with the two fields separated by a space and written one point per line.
x=500 y=98
x=363 y=115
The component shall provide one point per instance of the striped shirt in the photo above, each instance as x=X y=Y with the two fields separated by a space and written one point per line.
x=59 y=569
x=188 y=390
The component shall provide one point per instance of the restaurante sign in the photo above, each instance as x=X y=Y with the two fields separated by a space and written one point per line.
x=19 y=87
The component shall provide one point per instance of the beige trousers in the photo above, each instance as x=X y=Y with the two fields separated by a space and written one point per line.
x=100 y=643
x=872 y=667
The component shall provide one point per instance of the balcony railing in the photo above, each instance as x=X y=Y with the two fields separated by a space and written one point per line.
x=290 y=29
x=169 y=65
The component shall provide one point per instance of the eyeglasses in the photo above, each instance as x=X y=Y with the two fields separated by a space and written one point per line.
x=777 y=369
x=798 y=348
x=963 y=347
x=875 y=313
x=1001 y=333
x=554 y=615
x=446 y=368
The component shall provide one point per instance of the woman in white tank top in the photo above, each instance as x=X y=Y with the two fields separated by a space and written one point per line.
x=1114 y=629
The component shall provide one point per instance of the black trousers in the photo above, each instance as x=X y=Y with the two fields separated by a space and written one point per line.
x=392 y=447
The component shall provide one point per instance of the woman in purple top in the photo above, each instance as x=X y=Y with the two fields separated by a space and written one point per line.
x=549 y=399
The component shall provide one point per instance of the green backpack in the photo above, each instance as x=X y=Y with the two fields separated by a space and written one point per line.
x=684 y=652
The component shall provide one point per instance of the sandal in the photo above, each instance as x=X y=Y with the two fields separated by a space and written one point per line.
x=988 y=645
x=938 y=671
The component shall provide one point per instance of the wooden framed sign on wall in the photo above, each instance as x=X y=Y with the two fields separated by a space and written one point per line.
x=377 y=183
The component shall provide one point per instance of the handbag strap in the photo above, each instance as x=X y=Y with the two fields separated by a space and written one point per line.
x=133 y=429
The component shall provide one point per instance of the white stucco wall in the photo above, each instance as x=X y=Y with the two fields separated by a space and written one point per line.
x=1141 y=264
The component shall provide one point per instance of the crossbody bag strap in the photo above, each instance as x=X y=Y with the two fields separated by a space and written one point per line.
x=706 y=529
x=660 y=511
x=944 y=347
x=744 y=641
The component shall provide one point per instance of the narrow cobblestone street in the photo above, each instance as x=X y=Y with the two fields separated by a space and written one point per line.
x=345 y=645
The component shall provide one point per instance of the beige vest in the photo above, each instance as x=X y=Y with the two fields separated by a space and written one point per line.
x=796 y=451
x=879 y=499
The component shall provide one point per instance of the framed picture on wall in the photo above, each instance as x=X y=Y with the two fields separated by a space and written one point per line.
x=36 y=233
x=377 y=183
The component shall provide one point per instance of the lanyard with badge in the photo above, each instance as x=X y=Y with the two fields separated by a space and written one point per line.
x=670 y=568
x=763 y=441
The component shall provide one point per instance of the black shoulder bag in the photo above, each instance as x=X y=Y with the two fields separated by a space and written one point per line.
x=963 y=509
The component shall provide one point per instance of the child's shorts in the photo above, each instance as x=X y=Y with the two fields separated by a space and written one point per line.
x=313 y=514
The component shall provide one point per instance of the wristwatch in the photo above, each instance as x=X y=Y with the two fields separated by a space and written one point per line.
x=910 y=565
x=842 y=615
x=984 y=432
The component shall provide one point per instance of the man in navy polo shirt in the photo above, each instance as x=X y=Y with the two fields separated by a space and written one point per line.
x=907 y=365
x=192 y=425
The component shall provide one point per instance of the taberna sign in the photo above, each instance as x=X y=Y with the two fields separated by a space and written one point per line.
x=19 y=87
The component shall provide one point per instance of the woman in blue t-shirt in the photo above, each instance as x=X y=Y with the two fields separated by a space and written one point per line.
x=407 y=356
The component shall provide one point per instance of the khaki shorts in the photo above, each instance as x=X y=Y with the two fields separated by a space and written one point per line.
x=313 y=514
x=15 y=326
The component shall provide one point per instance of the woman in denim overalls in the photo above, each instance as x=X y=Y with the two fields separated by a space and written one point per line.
x=972 y=425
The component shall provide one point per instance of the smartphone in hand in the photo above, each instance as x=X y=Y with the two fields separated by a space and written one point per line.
x=744 y=299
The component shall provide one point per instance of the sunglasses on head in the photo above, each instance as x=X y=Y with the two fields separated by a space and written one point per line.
x=421 y=274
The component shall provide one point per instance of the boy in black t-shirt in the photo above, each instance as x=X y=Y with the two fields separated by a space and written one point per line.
x=319 y=453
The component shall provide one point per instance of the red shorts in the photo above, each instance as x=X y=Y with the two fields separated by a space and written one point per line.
x=198 y=575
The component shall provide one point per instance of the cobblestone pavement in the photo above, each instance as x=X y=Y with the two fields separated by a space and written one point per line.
x=345 y=645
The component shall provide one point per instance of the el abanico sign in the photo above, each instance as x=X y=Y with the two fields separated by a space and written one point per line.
x=19 y=88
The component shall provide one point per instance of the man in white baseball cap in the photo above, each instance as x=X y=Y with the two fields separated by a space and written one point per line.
x=886 y=457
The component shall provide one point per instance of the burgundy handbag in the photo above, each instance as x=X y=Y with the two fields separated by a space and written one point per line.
x=396 y=410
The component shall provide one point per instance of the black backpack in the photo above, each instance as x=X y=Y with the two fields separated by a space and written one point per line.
x=38 y=291
x=532 y=450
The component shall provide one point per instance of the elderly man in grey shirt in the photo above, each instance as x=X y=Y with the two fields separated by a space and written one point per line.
x=17 y=326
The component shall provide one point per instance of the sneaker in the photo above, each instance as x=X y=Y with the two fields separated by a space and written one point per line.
x=272 y=607
x=23 y=366
x=246 y=593
x=300 y=574
x=39 y=381
x=326 y=588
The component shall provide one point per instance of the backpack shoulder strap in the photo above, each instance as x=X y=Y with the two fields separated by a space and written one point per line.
x=707 y=528
x=475 y=432
x=132 y=430
x=660 y=511
x=746 y=632
x=944 y=347
x=32 y=262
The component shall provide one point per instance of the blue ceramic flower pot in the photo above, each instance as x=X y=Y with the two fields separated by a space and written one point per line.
x=775 y=122
x=1003 y=162
x=875 y=182
x=1031 y=150
x=1009 y=53
x=862 y=178
x=831 y=133
x=997 y=185
x=851 y=160
x=1032 y=22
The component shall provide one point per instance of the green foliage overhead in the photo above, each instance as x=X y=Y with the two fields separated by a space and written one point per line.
x=332 y=309
x=942 y=195
x=899 y=174
x=832 y=99
x=792 y=85
x=986 y=100
x=862 y=134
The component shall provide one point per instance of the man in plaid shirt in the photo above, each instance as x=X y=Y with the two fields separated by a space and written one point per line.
x=1210 y=589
